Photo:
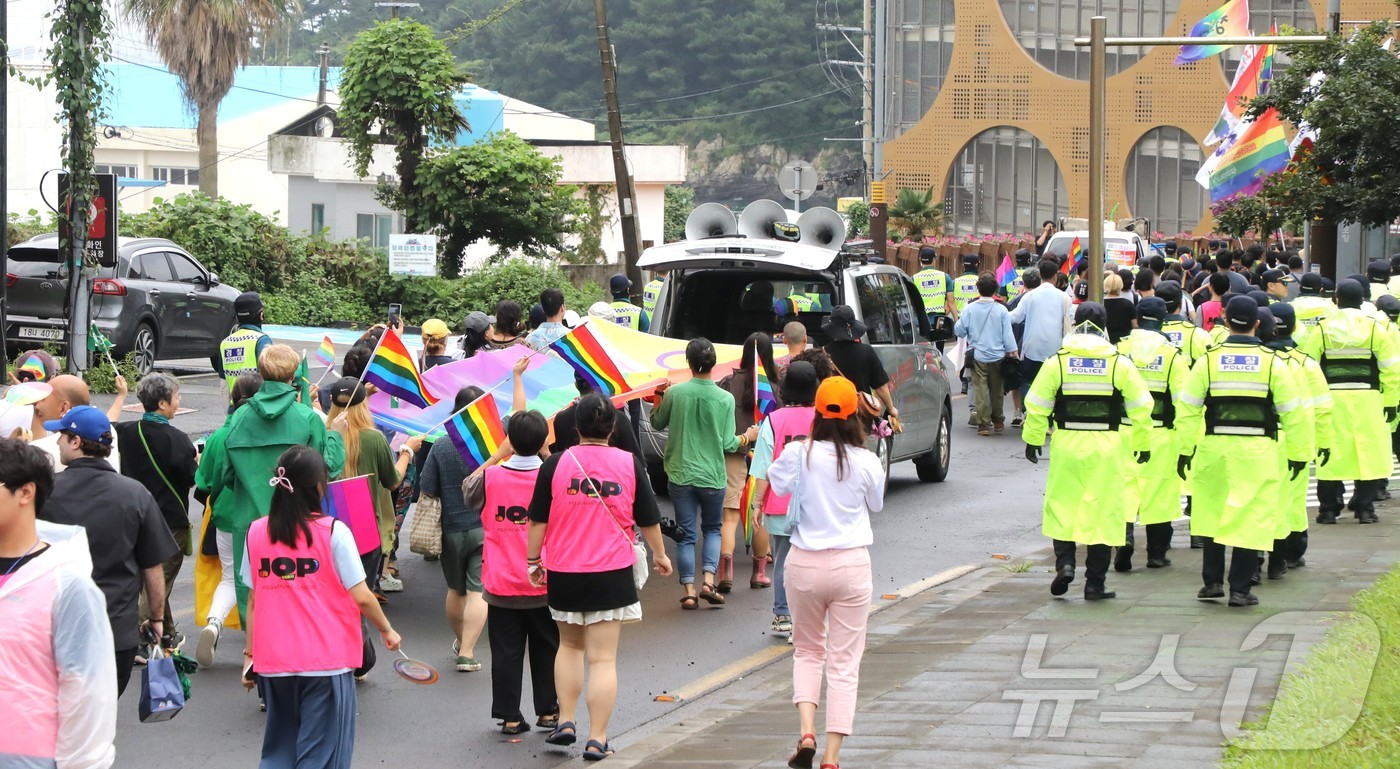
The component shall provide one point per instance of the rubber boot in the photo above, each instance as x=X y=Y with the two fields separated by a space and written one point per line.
x=759 y=578
x=726 y=573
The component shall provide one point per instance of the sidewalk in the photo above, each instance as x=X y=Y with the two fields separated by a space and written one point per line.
x=990 y=671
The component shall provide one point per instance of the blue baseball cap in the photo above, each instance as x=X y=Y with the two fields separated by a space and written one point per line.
x=85 y=422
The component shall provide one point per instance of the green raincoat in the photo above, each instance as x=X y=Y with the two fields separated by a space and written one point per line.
x=1085 y=497
x=1163 y=369
x=1317 y=406
x=256 y=436
x=1351 y=340
x=1236 y=483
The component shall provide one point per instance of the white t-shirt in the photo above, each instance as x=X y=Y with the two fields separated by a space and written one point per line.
x=49 y=445
x=835 y=513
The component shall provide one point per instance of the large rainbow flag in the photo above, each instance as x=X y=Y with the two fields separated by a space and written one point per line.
x=393 y=371
x=1076 y=253
x=1229 y=20
x=477 y=432
x=1251 y=81
x=582 y=350
x=1260 y=150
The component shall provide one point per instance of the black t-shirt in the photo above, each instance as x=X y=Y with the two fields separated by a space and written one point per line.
x=430 y=361
x=1121 y=312
x=566 y=432
x=125 y=531
x=594 y=591
x=174 y=452
x=8 y=566
x=859 y=363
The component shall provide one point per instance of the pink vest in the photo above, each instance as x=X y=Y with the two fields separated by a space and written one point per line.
x=506 y=521
x=789 y=423
x=582 y=536
x=29 y=709
x=304 y=620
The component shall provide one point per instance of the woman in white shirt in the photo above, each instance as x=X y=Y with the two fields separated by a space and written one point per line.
x=836 y=483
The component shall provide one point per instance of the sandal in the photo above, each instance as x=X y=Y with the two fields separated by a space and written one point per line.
x=596 y=751
x=711 y=595
x=548 y=722
x=518 y=727
x=690 y=602
x=561 y=737
x=831 y=766
x=802 y=758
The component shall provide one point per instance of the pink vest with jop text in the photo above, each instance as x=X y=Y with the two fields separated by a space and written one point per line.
x=582 y=536
x=304 y=619
x=505 y=519
x=789 y=423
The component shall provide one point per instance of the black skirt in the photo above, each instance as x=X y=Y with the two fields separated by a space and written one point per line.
x=591 y=591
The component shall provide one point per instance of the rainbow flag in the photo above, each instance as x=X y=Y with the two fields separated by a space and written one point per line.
x=1076 y=253
x=582 y=350
x=1260 y=151
x=1006 y=273
x=325 y=354
x=477 y=431
x=1229 y=20
x=393 y=371
x=746 y=502
x=34 y=366
x=1251 y=81
x=764 y=401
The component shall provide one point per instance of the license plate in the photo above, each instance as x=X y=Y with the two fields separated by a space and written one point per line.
x=52 y=334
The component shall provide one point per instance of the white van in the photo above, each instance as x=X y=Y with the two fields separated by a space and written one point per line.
x=1123 y=248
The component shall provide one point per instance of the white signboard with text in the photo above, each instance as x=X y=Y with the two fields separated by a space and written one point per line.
x=414 y=255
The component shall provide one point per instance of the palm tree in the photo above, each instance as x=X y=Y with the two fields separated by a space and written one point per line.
x=916 y=214
x=203 y=42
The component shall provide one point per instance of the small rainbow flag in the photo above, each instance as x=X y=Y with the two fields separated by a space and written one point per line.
x=764 y=401
x=392 y=370
x=746 y=502
x=1006 y=273
x=1229 y=20
x=1076 y=253
x=34 y=366
x=325 y=354
x=582 y=350
x=477 y=431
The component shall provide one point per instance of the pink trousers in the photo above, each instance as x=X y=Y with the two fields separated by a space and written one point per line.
x=829 y=593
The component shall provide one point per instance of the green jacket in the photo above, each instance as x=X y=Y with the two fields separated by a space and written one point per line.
x=255 y=438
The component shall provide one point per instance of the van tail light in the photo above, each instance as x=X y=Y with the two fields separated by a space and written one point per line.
x=11 y=279
x=108 y=287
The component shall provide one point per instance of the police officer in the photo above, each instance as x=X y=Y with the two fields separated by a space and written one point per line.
x=1017 y=286
x=1163 y=369
x=625 y=313
x=1228 y=417
x=965 y=285
x=1317 y=406
x=1088 y=389
x=1310 y=306
x=652 y=291
x=935 y=287
x=1389 y=306
x=1361 y=361
x=1394 y=284
x=1378 y=277
x=239 y=351
x=1190 y=339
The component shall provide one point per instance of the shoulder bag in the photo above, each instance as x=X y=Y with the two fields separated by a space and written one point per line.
x=870 y=406
x=640 y=568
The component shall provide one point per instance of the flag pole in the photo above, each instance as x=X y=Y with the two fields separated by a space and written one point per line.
x=361 y=381
x=328 y=370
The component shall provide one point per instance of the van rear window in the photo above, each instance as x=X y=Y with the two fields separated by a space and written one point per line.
x=727 y=306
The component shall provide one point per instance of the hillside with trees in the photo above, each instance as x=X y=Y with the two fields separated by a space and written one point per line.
x=742 y=84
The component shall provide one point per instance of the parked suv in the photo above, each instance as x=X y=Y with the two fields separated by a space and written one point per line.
x=158 y=301
x=724 y=288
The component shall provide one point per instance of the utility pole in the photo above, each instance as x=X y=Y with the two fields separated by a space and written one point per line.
x=877 y=85
x=626 y=200
x=867 y=127
x=79 y=292
x=325 y=71
x=1322 y=234
x=395 y=6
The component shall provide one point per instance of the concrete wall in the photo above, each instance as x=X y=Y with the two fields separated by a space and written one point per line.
x=343 y=202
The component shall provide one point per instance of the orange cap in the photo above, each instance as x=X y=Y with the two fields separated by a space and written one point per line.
x=836 y=398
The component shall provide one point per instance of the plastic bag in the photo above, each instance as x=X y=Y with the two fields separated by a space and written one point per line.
x=162 y=694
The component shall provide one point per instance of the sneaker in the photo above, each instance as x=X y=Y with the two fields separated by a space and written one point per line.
x=1018 y=419
x=983 y=431
x=208 y=643
x=998 y=426
x=467 y=664
x=782 y=624
x=390 y=584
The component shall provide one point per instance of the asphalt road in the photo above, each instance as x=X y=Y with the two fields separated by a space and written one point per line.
x=988 y=505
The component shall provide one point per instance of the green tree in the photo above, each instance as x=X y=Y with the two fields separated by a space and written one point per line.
x=1348 y=91
x=1240 y=215
x=204 y=42
x=915 y=214
x=858 y=219
x=401 y=80
x=679 y=202
x=500 y=189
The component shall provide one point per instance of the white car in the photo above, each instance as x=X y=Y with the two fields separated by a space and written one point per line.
x=1123 y=248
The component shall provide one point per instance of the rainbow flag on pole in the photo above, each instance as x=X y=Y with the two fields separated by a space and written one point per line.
x=1251 y=80
x=764 y=400
x=1229 y=20
x=746 y=502
x=325 y=354
x=1076 y=253
x=477 y=431
x=393 y=371
x=582 y=350
x=1260 y=151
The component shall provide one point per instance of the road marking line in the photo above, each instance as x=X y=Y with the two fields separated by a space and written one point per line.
x=763 y=657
